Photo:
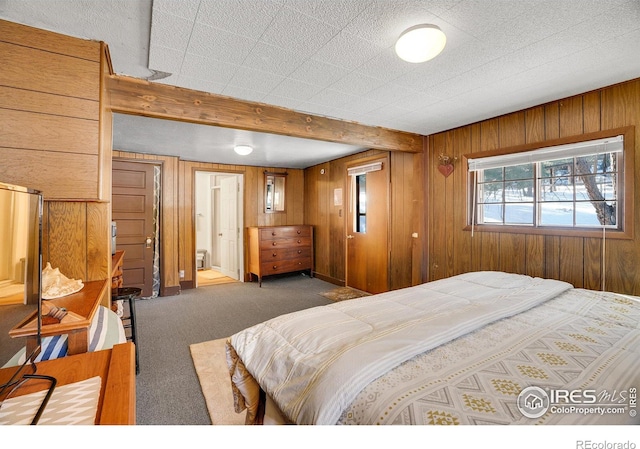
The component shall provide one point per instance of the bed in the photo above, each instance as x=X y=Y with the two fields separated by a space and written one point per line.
x=477 y=348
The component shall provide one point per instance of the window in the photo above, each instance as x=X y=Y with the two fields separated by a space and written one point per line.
x=575 y=186
x=358 y=206
x=361 y=203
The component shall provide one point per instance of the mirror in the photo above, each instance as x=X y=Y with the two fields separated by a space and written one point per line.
x=20 y=253
x=274 y=189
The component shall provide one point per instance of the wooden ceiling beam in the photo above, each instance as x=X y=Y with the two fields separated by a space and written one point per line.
x=140 y=97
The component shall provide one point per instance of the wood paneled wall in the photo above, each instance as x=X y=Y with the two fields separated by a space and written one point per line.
x=49 y=112
x=329 y=219
x=177 y=209
x=576 y=260
x=55 y=137
x=408 y=230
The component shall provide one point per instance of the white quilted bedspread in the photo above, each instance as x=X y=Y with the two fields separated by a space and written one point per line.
x=581 y=340
x=313 y=363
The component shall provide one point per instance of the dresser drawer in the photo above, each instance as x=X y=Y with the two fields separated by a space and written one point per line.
x=277 y=254
x=281 y=232
x=285 y=243
x=284 y=266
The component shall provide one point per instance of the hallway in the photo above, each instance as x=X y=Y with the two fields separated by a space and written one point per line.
x=212 y=277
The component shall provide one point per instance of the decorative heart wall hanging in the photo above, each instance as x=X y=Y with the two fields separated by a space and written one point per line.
x=446 y=170
x=446 y=164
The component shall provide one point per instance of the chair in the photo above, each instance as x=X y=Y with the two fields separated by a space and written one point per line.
x=129 y=295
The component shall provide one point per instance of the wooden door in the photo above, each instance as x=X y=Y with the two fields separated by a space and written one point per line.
x=229 y=227
x=368 y=227
x=132 y=200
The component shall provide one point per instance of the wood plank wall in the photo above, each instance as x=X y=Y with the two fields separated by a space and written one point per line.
x=328 y=219
x=53 y=139
x=406 y=193
x=49 y=112
x=577 y=260
x=178 y=228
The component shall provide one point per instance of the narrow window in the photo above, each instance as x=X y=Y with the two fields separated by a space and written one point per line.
x=358 y=202
x=361 y=203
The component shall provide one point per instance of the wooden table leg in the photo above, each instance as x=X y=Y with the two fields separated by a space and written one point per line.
x=78 y=342
x=31 y=345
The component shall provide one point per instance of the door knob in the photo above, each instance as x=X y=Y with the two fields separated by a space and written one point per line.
x=148 y=242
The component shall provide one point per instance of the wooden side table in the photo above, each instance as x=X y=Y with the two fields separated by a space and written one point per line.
x=83 y=304
x=117 y=261
x=117 y=403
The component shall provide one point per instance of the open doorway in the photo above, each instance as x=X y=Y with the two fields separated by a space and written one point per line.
x=218 y=226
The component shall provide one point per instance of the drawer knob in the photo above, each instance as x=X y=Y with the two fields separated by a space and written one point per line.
x=299 y=251
x=275 y=267
x=274 y=254
x=299 y=231
x=299 y=240
x=273 y=233
x=274 y=243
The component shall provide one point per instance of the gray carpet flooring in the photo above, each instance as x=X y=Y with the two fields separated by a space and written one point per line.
x=167 y=388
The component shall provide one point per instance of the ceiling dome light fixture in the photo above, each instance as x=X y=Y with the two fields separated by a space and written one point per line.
x=420 y=43
x=243 y=150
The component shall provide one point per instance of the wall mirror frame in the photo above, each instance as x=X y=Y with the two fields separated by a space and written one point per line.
x=274 y=192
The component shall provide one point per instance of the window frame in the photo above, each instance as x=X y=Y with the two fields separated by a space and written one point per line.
x=354 y=203
x=625 y=200
x=358 y=215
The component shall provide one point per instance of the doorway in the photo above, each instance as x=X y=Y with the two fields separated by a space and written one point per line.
x=367 y=247
x=218 y=226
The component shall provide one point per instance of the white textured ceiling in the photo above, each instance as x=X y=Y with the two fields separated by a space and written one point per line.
x=335 y=57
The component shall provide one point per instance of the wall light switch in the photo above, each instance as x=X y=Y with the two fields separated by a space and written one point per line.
x=414 y=235
x=182 y=274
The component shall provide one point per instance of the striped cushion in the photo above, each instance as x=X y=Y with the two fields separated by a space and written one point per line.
x=105 y=331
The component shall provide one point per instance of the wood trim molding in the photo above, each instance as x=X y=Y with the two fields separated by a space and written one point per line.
x=140 y=97
x=175 y=290
x=329 y=279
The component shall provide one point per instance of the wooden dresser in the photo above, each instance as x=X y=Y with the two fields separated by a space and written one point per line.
x=280 y=249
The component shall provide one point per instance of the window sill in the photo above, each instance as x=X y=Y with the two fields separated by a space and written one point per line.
x=553 y=231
